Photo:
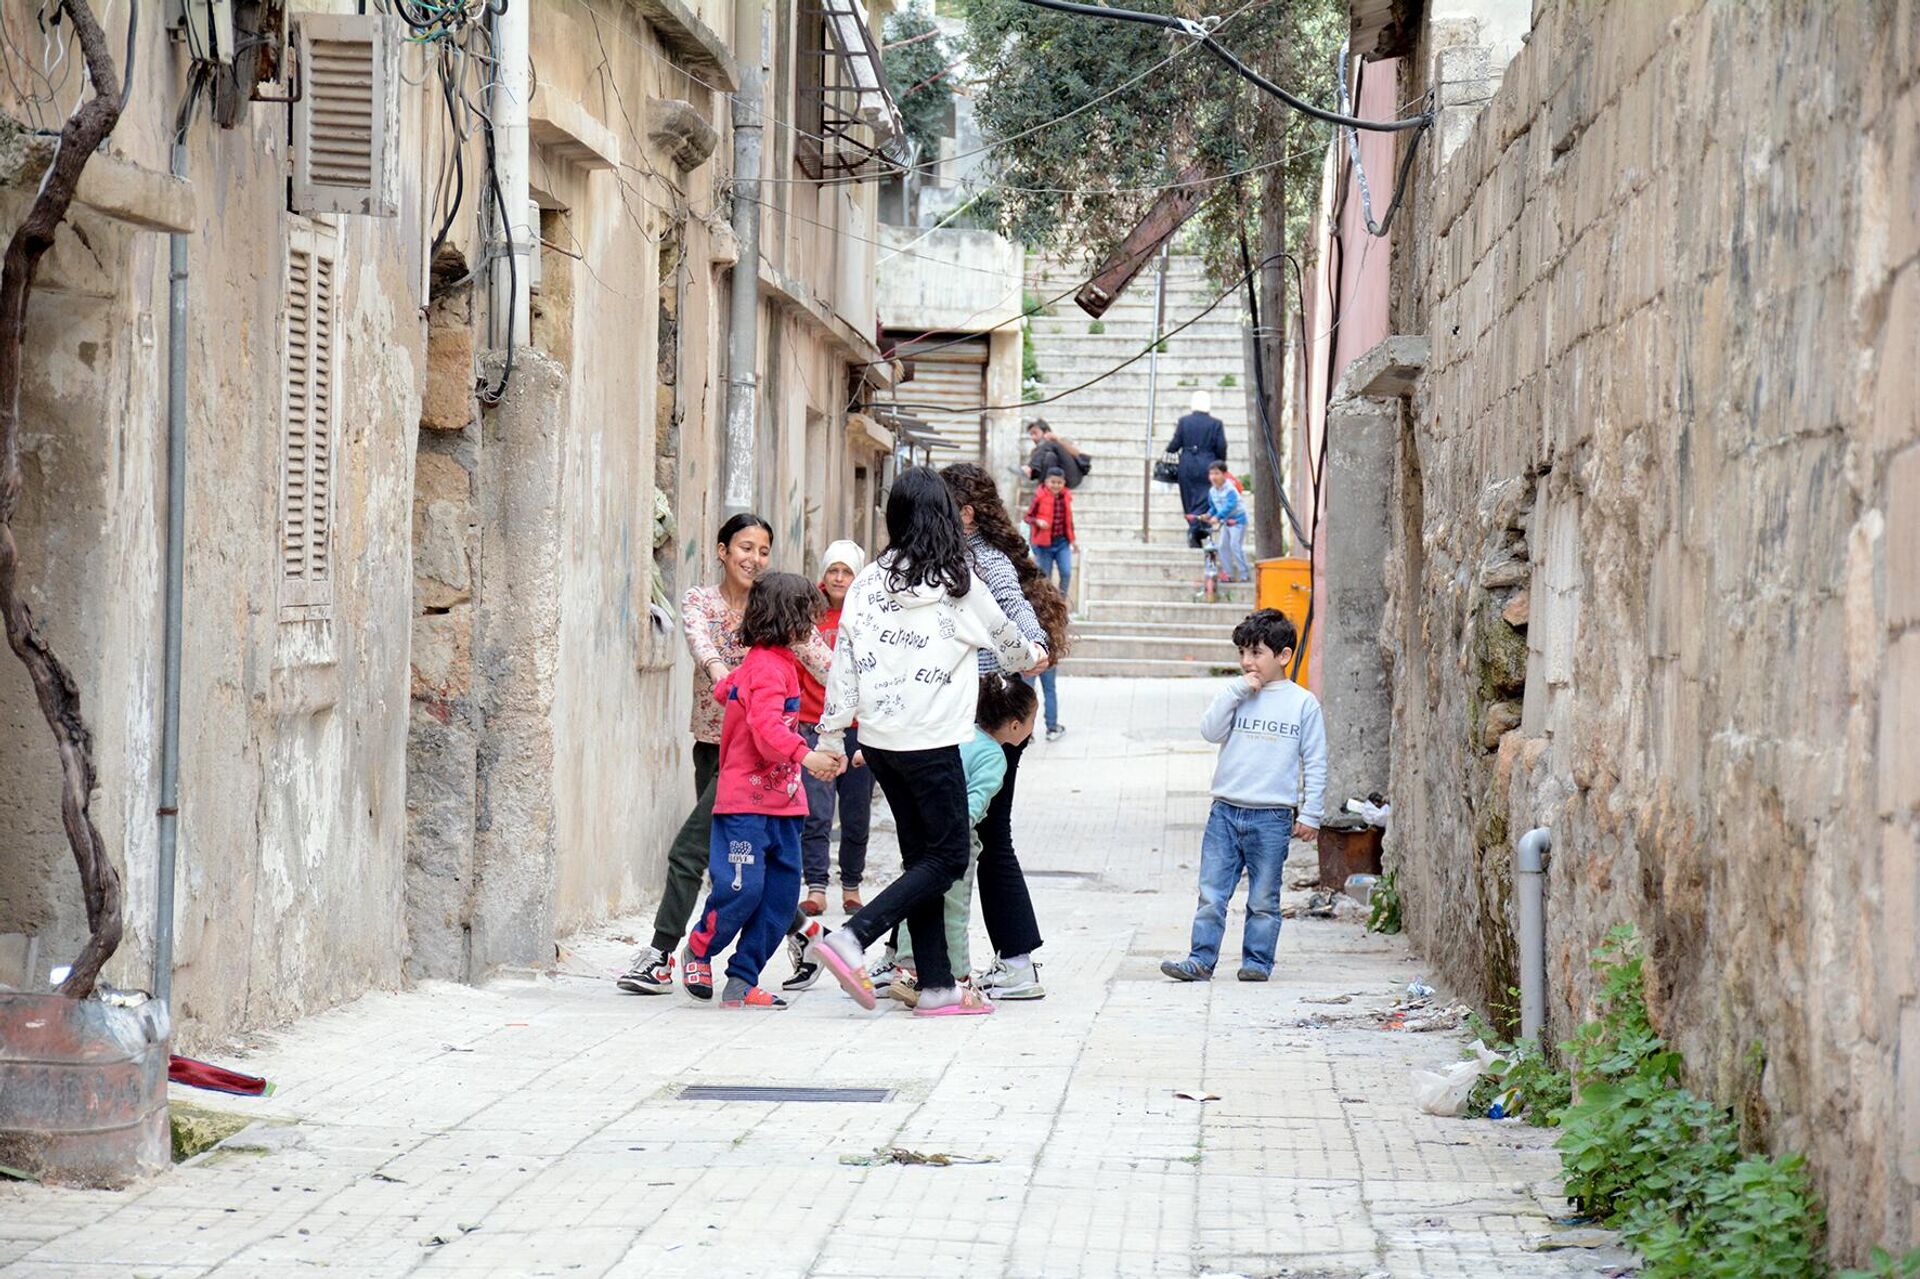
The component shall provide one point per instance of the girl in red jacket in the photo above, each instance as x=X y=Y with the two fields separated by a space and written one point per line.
x=759 y=805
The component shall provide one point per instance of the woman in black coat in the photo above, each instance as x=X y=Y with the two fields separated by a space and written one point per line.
x=1199 y=441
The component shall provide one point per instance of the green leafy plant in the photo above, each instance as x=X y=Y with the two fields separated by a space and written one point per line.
x=1229 y=380
x=1383 y=914
x=1030 y=303
x=1098 y=326
x=1884 y=1265
x=1643 y=1152
x=1030 y=374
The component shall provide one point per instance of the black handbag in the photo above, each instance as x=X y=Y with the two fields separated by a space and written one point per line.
x=1166 y=470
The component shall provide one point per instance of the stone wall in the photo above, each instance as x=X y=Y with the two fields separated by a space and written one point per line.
x=1656 y=568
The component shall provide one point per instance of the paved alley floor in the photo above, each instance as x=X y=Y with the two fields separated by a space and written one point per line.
x=534 y=1127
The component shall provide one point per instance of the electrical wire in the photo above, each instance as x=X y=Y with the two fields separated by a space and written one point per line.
x=1406 y=164
x=1201 y=32
x=1131 y=360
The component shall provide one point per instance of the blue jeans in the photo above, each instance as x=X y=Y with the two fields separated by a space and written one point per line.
x=1059 y=555
x=754 y=861
x=1233 y=551
x=1238 y=839
x=1048 y=696
x=854 y=791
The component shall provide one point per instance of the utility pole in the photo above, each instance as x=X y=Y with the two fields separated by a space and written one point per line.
x=743 y=335
x=1270 y=521
x=1153 y=391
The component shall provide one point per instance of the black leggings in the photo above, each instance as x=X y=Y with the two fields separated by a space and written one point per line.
x=927 y=790
x=1005 y=903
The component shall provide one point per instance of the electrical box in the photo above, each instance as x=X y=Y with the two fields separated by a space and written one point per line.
x=208 y=27
x=1286 y=584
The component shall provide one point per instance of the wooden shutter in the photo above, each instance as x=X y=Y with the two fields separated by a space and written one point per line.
x=307 y=435
x=347 y=120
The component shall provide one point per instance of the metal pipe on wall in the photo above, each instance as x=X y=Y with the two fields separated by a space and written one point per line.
x=1530 y=884
x=175 y=588
x=743 y=333
x=1153 y=392
x=513 y=290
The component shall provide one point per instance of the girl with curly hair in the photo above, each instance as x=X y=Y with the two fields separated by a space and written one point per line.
x=1001 y=559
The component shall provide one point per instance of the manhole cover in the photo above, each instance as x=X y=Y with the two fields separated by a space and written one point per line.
x=756 y=1092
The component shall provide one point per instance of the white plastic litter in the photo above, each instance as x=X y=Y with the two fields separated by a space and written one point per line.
x=1375 y=814
x=1445 y=1091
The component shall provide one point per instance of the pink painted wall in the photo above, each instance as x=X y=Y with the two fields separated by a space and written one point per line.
x=1346 y=305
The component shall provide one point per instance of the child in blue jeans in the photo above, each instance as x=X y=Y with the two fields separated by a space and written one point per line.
x=759 y=806
x=1267 y=790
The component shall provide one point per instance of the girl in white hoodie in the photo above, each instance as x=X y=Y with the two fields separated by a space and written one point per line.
x=905 y=667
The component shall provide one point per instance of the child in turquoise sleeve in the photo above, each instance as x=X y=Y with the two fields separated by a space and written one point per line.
x=1004 y=716
x=1228 y=513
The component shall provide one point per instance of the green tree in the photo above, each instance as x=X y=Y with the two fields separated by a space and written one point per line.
x=1088 y=182
x=919 y=68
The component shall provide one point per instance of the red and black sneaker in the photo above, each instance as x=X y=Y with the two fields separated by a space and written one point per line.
x=696 y=975
x=755 y=998
x=651 y=973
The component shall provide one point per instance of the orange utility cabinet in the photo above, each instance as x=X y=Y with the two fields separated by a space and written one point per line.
x=1285 y=584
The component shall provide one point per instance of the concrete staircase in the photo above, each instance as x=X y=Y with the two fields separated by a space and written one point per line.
x=1140 y=602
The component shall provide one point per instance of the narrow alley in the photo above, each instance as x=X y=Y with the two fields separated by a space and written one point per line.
x=534 y=1126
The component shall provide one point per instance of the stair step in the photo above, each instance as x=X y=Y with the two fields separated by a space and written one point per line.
x=1163 y=668
x=1113 y=612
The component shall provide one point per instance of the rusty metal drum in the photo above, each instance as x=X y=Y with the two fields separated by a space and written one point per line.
x=83 y=1089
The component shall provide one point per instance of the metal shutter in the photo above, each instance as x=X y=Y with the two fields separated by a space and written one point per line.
x=953 y=378
x=307 y=436
x=348 y=115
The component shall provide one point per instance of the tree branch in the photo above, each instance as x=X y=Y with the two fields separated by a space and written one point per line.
x=53 y=684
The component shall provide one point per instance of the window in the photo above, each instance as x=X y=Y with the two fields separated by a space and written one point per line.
x=307 y=428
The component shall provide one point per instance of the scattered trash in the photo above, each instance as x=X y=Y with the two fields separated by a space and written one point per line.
x=16 y=1174
x=1373 y=809
x=1326 y=999
x=1580 y=1238
x=435 y=1241
x=625 y=940
x=1419 y=1019
x=1194 y=1094
x=454 y=1048
x=381 y=1176
x=1444 y=1091
x=202 y=1074
x=914 y=1158
x=1506 y=1105
x=1320 y=905
x=1419 y=989
x=118 y=998
x=1360 y=887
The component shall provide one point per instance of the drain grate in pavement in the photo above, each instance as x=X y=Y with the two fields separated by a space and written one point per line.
x=1083 y=876
x=758 y=1092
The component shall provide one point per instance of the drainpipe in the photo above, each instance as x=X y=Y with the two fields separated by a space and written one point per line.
x=1530 y=880
x=512 y=290
x=169 y=811
x=743 y=337
x=1153 y=391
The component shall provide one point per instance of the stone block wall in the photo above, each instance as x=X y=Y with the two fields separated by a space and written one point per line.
x=1656 y=568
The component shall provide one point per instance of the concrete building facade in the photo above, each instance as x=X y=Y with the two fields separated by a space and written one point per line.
x=1649 y=574
x=437 y=715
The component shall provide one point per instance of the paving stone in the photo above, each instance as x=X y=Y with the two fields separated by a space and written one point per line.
x=533 y=1126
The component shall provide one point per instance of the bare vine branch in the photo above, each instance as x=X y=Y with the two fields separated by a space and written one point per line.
x=53 y=683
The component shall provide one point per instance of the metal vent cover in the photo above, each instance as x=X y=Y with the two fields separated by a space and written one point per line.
x=779 y=1093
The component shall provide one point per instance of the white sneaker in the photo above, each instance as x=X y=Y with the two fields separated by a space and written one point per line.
x=883 y=972
x=1012 y=981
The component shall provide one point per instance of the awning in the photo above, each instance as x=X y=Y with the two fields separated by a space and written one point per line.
x=862 y=429
x=858 y=119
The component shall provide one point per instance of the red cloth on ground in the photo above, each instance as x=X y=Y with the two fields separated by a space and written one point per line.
x=204 y=1074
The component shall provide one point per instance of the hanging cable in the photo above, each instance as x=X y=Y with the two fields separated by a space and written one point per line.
x=1260 y=394
x=1360 y=173
x=1201 y=31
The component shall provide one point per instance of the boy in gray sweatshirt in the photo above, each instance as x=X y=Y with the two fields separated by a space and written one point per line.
x=1267 y=790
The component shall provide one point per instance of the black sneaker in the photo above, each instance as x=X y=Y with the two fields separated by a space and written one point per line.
x=806 y=969
x=651 y=973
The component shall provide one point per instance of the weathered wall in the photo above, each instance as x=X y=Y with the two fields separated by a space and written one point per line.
x=1660 y=506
